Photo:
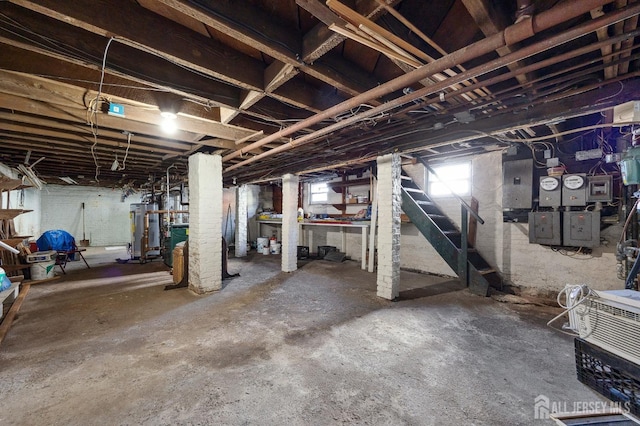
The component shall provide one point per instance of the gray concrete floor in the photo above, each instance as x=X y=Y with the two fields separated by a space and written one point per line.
x=108 y=345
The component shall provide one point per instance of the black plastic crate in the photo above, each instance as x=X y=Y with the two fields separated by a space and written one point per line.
x=324 y=250
x=303 y=252
x=608 y=374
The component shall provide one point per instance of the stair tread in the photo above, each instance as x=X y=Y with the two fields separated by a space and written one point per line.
x=413 y=189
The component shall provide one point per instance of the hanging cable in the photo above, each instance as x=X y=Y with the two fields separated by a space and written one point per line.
x=126 y=152
x=93 y=116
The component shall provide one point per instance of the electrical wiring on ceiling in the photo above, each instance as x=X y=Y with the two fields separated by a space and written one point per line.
x=93 y=119
x=121 y=86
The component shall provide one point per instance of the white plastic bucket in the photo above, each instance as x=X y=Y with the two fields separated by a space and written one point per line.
x=262 y=243
x=42 y=270
x=275 y=248
x=265 y=250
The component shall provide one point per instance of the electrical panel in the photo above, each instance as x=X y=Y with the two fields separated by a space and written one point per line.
x=581 y=229
x=517 y=184
x=544 y=228
x=599 y=188
x=574 y=190
x=550 y=192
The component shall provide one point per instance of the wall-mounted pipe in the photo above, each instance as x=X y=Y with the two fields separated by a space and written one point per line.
x=531 y=50
x=512 y=34
x=167 y=206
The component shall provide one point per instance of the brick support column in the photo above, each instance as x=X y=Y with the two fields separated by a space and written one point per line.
x=241 y=221
x=289 y=223
x=205 y=223
x=389 y=208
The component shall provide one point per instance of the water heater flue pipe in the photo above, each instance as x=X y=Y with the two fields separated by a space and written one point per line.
x=167 y=206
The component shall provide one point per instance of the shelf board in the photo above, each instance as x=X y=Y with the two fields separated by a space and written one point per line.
x=8 y=184
x=344 y=206
x=14 y=268
x=14 y=241
x=11 y=213
x=337 y=186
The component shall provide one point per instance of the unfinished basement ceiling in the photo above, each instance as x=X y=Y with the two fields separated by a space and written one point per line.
x=290 y=86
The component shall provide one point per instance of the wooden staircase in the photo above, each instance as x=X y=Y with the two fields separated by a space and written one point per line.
x=449 y=241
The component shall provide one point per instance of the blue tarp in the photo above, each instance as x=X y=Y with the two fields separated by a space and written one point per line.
x=57 y=239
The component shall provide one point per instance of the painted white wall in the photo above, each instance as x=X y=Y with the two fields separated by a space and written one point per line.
x=506 y=245
x=106 y=217
x=533 y=267
x=229 y=214
x=254 y=204
x=26 y=224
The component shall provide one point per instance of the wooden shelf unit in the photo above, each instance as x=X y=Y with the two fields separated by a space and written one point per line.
x=341 y=188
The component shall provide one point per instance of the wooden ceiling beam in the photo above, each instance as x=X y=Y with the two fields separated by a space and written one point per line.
x=234 y=19
x=136 y=26
x=491 y=21
x=125 y=61
x=78 y=116
x=240 y=19
x=84 y=132
x=71 y=149
x=28 y=62
x=68 y=96
x=55 y=136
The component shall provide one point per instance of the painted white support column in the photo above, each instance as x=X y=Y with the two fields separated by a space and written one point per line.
x=205 y=223
x=374 y=226
x=241 y=221
x=389 y=208
x=290 y=227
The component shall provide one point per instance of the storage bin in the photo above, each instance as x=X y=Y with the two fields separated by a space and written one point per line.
x=42 y=270
x=42 y=256
x=323 y=250
x=303 y=252
x=608 y=374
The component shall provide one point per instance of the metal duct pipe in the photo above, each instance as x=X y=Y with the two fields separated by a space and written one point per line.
x=512 y=34
x=479 y=70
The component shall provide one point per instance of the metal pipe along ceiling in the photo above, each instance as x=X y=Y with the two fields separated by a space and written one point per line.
x=482 y=69
x=512 y=34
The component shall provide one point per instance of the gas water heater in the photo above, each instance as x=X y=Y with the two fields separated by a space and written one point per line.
x=137 y=213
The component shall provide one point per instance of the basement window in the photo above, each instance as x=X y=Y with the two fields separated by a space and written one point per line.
x=319 y=193
x=457 y=177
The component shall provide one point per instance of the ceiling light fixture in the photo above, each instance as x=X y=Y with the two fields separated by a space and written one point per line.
x=168 y=123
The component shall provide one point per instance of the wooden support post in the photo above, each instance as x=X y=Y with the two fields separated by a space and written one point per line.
x=13 y=312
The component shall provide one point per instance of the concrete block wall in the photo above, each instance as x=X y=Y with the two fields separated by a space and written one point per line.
x=532 y=267
x=205 y=223
x=27 y=224
x=107 y=219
